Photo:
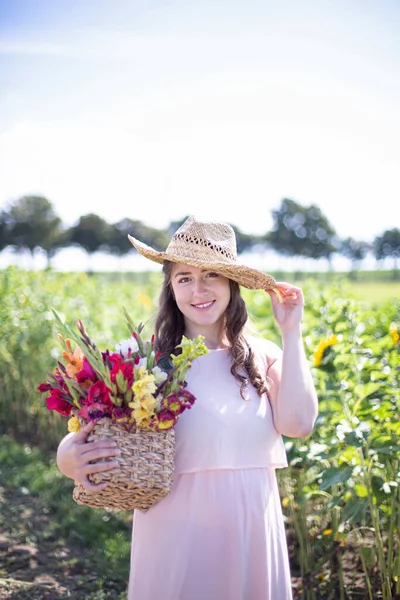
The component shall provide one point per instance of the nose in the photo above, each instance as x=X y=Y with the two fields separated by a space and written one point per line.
x=200 y=287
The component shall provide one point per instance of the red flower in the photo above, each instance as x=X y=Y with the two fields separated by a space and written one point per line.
x=186 y=398
x=99 y=393
x=95 y=411
x=165 y=420
x=125 y=368
x=56 y=402
x=115 y=358
x=44 y=387
x=173 y=405
x=86 y=373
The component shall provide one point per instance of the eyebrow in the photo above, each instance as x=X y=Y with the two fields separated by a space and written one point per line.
x=180 y=273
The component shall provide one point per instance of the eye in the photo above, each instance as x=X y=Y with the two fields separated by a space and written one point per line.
x=212 y=274
x=183 y=279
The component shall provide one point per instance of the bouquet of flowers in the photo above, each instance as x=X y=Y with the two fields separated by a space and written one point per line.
x=134 y=395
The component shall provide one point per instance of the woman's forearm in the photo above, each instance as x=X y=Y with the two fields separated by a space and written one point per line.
x=297 y=403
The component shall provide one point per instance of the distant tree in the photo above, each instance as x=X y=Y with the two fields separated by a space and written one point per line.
x=245 y=241
x=355 y=251
x=387 y=245
x=302 y=231
x=119 y=244
x=92 y=233
x=3 y=239
x=31 y=222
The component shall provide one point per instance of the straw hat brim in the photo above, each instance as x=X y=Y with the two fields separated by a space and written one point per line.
x=250 y=278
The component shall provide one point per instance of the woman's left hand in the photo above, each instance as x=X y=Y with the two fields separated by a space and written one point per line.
x=287 y=305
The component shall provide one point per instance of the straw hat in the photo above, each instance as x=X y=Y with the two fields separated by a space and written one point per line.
x=210 y=246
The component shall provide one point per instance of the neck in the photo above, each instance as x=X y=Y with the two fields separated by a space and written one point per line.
x=214 y=340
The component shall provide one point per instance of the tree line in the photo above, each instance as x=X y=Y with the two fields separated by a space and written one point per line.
x=31 y=222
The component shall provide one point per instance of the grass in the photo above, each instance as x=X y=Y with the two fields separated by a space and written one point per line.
x=53 y=547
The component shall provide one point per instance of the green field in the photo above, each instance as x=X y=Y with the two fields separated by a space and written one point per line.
x=340 y=493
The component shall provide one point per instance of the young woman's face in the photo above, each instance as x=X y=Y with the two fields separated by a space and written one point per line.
x=201 y=296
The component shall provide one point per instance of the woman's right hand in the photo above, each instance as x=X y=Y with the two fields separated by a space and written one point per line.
x=74 y=456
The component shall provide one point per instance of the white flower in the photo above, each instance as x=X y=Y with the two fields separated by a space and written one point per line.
x=142 y=363
x=126 y=345
x=159 y=375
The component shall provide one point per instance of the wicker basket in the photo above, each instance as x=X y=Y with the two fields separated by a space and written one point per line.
x=144 y=474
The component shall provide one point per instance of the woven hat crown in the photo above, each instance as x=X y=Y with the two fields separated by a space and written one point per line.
x=205 y=242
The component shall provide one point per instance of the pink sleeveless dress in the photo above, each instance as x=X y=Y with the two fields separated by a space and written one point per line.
x=219 y=534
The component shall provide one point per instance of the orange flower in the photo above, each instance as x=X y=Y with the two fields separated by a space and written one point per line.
x=74 y=359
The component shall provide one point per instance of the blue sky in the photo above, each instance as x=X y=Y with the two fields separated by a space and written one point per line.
x=155 y=110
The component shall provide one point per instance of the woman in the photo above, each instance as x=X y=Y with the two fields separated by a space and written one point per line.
x=219 y=534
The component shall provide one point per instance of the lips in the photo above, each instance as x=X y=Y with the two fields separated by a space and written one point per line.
x=203 y=305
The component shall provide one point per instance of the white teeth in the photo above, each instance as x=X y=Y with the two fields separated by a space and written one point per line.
x=203 y=305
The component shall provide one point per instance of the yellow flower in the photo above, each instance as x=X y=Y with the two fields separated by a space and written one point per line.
x=394 y=332
x=145 y=300
x=285 y=502
x=139 y=415
x=322 y=346
x=73 y=425
x=144 y=384
x=327 y=532
x=321 y=577
x=143 y=404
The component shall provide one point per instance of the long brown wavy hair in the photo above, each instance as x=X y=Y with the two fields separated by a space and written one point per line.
x=170 y=326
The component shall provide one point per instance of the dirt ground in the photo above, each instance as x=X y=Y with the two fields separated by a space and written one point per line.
x=35 y=564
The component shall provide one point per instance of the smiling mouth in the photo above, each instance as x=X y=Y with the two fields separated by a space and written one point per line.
x=204 y=305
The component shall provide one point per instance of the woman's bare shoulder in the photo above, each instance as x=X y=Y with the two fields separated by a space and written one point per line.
x=263 y=346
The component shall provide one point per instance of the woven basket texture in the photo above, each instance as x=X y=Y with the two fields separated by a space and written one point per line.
x=144 y=474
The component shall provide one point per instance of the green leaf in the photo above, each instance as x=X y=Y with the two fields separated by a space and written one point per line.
x=355 y=510
x=369 y=556
x=366 y=390
x=335 y=475
x=396 y=567
x=360 y=490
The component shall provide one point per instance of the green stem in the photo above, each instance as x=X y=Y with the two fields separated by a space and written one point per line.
x=364 y=566
x=386 y=590
x=296 y=519
x=336 y=558
x=398 y=543
x=392 y=525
